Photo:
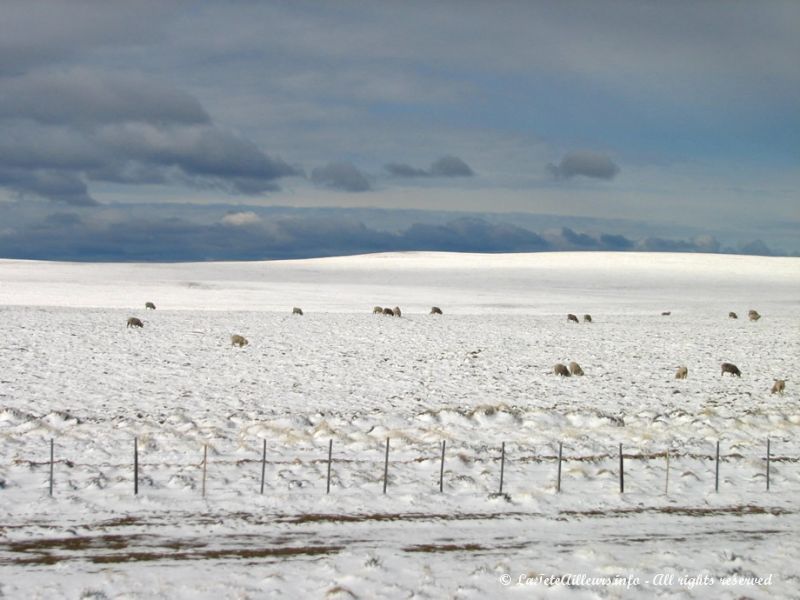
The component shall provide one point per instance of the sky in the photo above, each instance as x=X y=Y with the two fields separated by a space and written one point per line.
x=244 y=130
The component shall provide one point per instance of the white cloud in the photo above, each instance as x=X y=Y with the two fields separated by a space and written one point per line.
x=239 y=219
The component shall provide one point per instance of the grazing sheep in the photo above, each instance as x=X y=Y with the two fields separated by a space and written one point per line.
x=575 y=368
x=560 y=369
x=733 y=315
x=587 y=318
x=572 y=318
x=388 y=311
x=149 y=305
x=731 y=368
x=753 y=315
x=435 y=310
x=682 y=373
x=239 y=340
x=397 y=312
x=377 y=310
x=666 y=313
x=778 y=386
x=297 y=311
x=134 y=322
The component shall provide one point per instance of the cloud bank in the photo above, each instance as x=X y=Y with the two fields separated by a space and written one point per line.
x=342 y=176
x=60 y=131
x=446 y=166
x=247 y=235
x=584 y=163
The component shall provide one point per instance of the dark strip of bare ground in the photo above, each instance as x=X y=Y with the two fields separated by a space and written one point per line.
x=117 y=549
x=140 y=546
x=687 y=511
x=478 y=548
x=102 y=549
x=612 y=512
x=460 y=548
x=266 y=519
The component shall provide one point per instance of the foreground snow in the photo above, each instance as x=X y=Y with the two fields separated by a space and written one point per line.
x=477 y=377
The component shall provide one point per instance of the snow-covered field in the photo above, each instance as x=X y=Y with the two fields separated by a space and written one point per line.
x=477 y=377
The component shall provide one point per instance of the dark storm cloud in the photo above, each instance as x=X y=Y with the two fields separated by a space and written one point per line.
x=615 y=242
x=403 y=170
x=177 y=232
x=569 y=239
x=65 y=187
x=697 y=244
x=198 y=151
x=580 y=240
x=584 y=163
x=62 y=220
x=81 y=97
x=756 y=247
x=446 y=166
x=135 y=236
x=340 y=176
x=450 y=166
x=472 y=235
x=61 y=131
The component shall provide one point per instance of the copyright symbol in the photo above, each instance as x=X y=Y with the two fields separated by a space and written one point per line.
x=505 y=579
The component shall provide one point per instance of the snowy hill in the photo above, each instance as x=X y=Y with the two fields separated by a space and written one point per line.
x=466 y=283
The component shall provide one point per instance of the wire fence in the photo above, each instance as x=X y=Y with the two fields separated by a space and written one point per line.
x=443 y=469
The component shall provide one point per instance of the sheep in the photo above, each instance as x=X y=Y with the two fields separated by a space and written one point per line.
x=388 y=311
x=733 y=315
x=778 y=386
x=753 y=315
x=397 y=312
x=377 y=310
x=572 y=318
x=239 y=340
x=134 y=322
x=575 y=368
x=560 y=369
x=666 y=313
x=587 y=318
x=682 y=373
x=297 y=311
x=730 y=368
x=435 y=310
x=149 y=305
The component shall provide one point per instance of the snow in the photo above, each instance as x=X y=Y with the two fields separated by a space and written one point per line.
x=477 y=377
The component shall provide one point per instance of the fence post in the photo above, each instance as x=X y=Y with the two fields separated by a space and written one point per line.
x=558 y=480
x=386 y=467
x=768 y=449
x=51 y=468
x=716 y=470
x=263 y=465
x=441 y=470
x=205 y=465
x=135 y=466
x=621 y=471
x=502 y=464
x=330 y=454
